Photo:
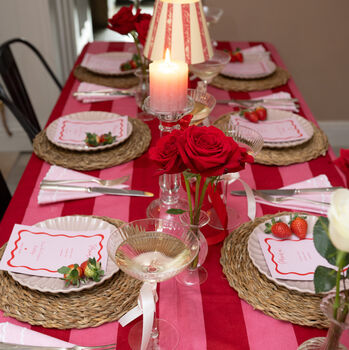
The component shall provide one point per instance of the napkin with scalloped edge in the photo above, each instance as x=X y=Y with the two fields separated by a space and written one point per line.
x=10 y=333
x=318 y=181
x=59 y=173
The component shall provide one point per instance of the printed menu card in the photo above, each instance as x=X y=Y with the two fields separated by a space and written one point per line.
x=282 y=130
x=73 y=131
x=41 y=251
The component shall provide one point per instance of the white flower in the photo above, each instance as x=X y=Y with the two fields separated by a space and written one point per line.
x=338 y=215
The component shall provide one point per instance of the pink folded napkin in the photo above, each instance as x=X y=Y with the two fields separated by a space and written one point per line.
x=251 y=68
x=60 y=173
x=315 y=182
x=286 y=106
x=87 y=87
x=10 y=333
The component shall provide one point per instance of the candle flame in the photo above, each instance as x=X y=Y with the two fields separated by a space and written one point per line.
x=167 y=56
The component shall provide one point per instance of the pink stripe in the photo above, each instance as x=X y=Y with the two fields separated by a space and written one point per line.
x=186 y=31
x=157 y=10
x=202 y=32
x=182 y=306
x=277 y=332
x=168 y=29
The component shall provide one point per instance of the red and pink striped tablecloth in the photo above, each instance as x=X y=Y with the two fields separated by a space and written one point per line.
x=210 y=316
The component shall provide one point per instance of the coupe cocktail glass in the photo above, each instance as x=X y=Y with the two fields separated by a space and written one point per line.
x=209 y=69
x=253 y=142
x=212 y=15
x=153 y=250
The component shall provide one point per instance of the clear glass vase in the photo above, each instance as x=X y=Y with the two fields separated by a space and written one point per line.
x=142 y=92
x=337 y=326
x=195 y=273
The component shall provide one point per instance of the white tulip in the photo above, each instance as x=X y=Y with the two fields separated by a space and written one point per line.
x=338 y=215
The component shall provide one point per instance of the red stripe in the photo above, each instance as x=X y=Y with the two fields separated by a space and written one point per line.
x=62 y=334
x=186 y=31
x=202 y=31
x=157 y=11
x=168 y=29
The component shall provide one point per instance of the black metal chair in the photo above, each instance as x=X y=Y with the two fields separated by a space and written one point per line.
x=18 y=100
x=5 y=196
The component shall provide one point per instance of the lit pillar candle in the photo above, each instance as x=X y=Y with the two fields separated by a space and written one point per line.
x=168 y=84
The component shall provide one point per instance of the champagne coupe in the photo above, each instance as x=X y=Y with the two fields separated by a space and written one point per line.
x=153 y=250
x=209 y=69
x=169 y=183
x=213 y=15
x=253 y=142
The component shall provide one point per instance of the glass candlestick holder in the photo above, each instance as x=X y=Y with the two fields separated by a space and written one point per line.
x=169 y=183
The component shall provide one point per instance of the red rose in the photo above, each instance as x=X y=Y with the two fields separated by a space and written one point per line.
x=142 y=26
x=165 y=154
x=209 y=152
x=124 y=20
x=343 y=163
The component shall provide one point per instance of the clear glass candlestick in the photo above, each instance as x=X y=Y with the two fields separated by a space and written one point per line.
x=169 y=183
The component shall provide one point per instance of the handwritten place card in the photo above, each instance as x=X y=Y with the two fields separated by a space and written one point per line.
x=74 y=131
x=282 y=130
x=41 y=252
x=291 y=259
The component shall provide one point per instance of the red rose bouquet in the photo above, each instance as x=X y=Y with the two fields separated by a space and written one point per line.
x=201 y=153
x=135 y=24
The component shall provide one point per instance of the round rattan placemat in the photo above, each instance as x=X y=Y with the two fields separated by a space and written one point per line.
x=103 y=303
x=315 y=147
x=256 y=289
x=115 y=81
x=132 y=148
x=278 y=78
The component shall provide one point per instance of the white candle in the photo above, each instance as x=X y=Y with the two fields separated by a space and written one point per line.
x=168 y=84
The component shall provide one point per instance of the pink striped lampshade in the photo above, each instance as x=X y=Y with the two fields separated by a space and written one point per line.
x=179 y=25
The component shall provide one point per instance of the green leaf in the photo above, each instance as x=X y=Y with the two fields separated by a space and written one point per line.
x=63 y=269
x=322 y=241
x=175 y=211
x=324 y=279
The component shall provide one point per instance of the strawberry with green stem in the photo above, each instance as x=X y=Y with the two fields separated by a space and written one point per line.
x=278 y=229
x=72 y=274
x=91 y=268
x=299 y=225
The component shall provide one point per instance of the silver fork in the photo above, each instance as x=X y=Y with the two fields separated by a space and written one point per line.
x=112 y=182
x=37 y=347
x=276 y=199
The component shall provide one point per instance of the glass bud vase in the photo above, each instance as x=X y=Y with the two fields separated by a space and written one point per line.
x=195 y=272
x=142 y=92
x=337 y=326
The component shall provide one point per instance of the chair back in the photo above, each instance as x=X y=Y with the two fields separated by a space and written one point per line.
x=5 y=196
x=15 y=87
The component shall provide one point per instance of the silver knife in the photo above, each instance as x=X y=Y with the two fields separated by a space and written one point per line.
x=262 y=100
x=103 y=93
x=290 y=192
x=103 y=190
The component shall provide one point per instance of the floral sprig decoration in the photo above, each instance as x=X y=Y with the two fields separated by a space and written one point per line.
x=331 y=240
x=135 y=24
x=201 y=153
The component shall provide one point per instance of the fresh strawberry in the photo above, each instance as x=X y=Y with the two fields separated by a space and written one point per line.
x=92 y=269
x=233 y=58
x=253 y=117
x=278 y=229
x=262 y=113
x=236 y=56
x=239 y=56
x=133 y=64
x=299 y=226
x=72 y=274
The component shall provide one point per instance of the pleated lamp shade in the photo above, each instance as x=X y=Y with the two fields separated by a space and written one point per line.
x=180 y=26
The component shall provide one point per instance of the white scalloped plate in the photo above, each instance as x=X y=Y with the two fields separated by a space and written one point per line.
x=113 y=59
x=269 y=68
x=56 y=285
x=89 y=115
x=257 y=257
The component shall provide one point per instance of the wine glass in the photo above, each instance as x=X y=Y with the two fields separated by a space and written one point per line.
x=213 y=15
x=209 y=69
x=253 y=142
x=153 y=250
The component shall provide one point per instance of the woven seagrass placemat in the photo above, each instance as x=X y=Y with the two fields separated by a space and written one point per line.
x=256 y=289
x=115 y=81
x=132 y=148
x=315 y=147
x=103 y=303
x=278 y=78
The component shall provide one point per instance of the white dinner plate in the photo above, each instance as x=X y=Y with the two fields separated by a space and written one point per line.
x=256 y=254
x=56 y=285
x=84 y=116
x=107 y=63
x=247 y=69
